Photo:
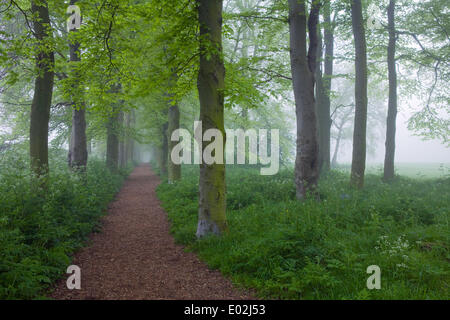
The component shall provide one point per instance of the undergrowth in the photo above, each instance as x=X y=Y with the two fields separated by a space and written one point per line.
x=40 y=229
x=286 y=249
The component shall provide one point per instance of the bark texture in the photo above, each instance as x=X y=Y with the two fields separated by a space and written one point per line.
x=360 y=127
x=211 y=82
x=43 y=89
x=303 y=68
x=392 y=106
x=78 y=154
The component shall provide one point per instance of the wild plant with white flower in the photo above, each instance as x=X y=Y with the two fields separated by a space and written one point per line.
x=396 y=248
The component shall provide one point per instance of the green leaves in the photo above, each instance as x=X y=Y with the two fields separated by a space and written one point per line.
x=321 y=250
x=38 y=235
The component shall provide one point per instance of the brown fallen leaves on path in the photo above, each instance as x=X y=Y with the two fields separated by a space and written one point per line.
x=135 y=257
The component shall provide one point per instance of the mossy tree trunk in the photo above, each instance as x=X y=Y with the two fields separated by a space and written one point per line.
x=43 y=89
x=211 y=82
x=360 y=127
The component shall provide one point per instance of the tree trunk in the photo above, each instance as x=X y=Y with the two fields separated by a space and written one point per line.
x=334 y=162
x=78 y=153
x=174 y=124
x=164 y=150
x=43 y=90
x=112 y=144
x=211 y=83
x=340 y=129
x=69 y=155
x=325 y=129
x=303 y=68
x=126 y=139
x=322 y=115
x=392 y=108
x=130 y=139
x=360 y=128
x=89 y=146
x=122 y=140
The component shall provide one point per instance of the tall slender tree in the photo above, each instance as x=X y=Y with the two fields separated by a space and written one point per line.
x=113 y=133
x=78 y=154
x=324 y=72
x=325 y=147
x=174 y=170
x=122 y=141
x=112 y=142
x=320 y=101
x=303 y=68
x=164 y=149
x=211 y=83
x=392 y=105
x=360 y=127
x=43 y=87
x=130 y=138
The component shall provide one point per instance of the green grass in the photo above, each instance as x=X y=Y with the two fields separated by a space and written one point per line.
x=320 y=250
x=424 y=170
x=40 y=229
x=412 y=170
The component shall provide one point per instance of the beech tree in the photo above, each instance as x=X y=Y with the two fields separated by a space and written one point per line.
x=303 y=69
x=164 y=149
x=174 y=170
x=112 y=143
x=122 y=140
x=43 y=87
x=360 y=127
x=325 y=105
x=392 y=105
x=131 y=123
x=113 y=132
x=211 y=81
x=78 y=154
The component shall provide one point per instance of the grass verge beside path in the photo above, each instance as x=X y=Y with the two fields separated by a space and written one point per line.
x=40 y=230
x=321 y=250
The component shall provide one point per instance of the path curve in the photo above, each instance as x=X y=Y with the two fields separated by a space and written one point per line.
x=135 y=257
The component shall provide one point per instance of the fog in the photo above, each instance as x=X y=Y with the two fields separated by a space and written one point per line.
x=409 y=149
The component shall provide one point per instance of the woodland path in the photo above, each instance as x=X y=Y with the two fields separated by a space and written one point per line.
x=135 y=257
